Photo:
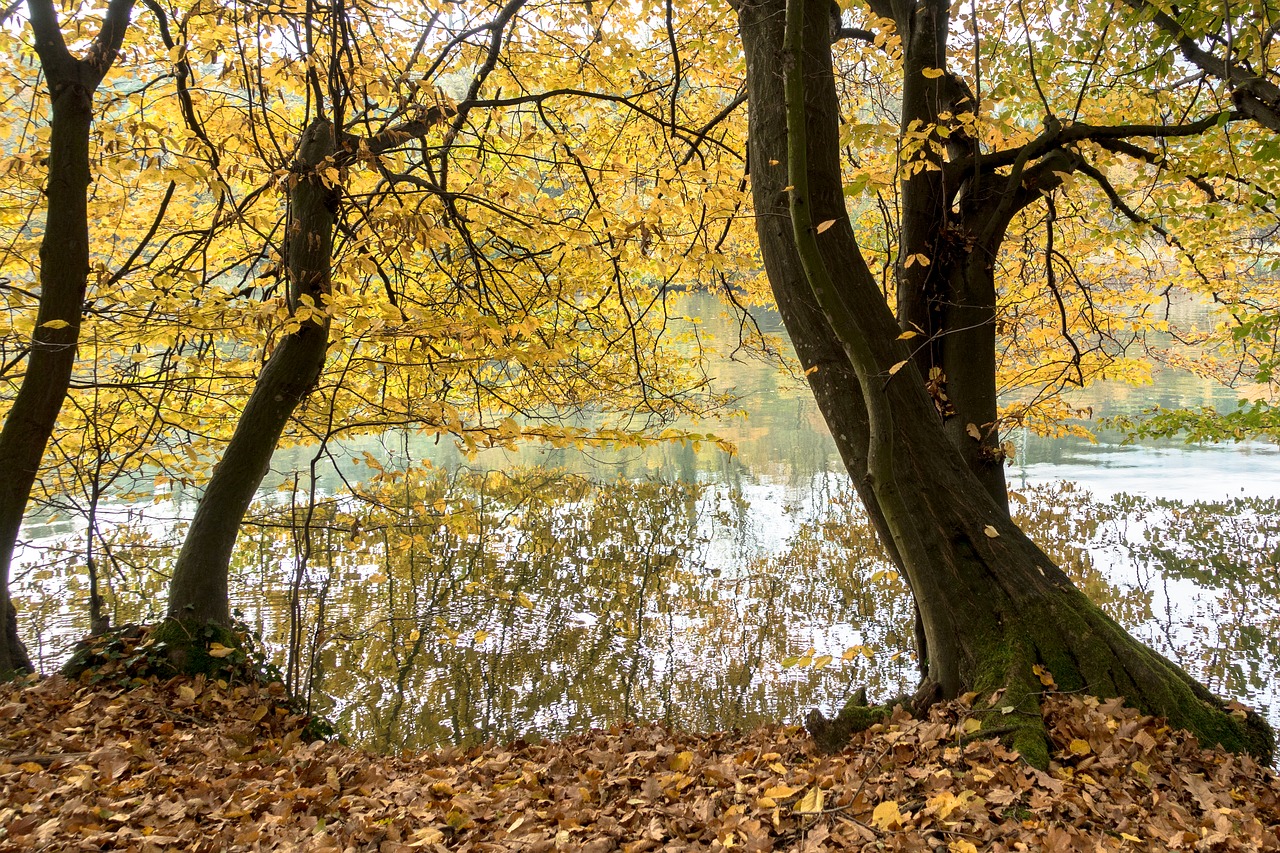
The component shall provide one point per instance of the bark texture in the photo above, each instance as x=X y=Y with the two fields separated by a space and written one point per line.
x=992 y=605
x=64 y=274
x=198 y=592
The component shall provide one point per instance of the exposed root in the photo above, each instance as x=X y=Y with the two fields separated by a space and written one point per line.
x=833 y=735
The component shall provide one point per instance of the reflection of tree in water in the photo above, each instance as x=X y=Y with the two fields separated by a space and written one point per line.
x=1070 y=525
x=1229 y=551
x=455 y=606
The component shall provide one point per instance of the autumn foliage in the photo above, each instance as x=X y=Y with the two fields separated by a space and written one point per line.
x=196 y=765
x=311 y=223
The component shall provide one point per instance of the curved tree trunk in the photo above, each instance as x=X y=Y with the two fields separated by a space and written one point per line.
x=198 y=591
x=64 y=273
x=992 y=604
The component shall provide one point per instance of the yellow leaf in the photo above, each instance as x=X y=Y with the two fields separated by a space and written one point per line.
x=821 y=661
x=961 y=846
x=481 y=636
x=1079 y=747
x=811 y=803
x=897 y=367
x=971 y=725
x=780 y=792
x=681 y=761
x=523 y=601
x=908 y=335
x=186 y=693
x=887 y=816
x=932 y=73
x=823 y=226
x=991 y=532
x=55 y=324
x=1046 y=677
x=1127 y=837
x=946 y=802
x=217 y=650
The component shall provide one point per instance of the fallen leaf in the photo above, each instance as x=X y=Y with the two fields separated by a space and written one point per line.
x=811 y=803
x=887 y=816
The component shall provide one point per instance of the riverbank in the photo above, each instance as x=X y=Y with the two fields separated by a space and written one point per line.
x=194 y=765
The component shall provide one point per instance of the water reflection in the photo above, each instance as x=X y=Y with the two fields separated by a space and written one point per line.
x=457 y=599
x=454 y=606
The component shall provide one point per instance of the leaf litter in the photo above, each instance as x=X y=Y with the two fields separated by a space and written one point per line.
x=192 y=764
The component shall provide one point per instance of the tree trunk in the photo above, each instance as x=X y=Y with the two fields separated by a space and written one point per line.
x=64 y=273
x=946 y=290
x=992 y=604
x=968 y=361
x=198 y=591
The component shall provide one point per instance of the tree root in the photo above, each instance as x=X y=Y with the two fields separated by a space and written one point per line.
x=833 y=735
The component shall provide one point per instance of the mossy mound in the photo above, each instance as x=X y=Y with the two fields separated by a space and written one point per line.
x=133 y=653
x=133 y=656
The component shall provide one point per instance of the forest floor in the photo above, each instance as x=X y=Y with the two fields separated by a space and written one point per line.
x=194 y=765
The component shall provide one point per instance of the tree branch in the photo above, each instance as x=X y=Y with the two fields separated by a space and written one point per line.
x=1082 y=131
x=182 y=73
x=50 y=45
x=102 y=53
x=1254 y=95
x=855 y=33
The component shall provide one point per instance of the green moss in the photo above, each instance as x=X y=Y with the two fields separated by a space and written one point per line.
x=856 y=716
x=1084 y=650
x=1005 y=679
x=187 y=646
x=1032 y=743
